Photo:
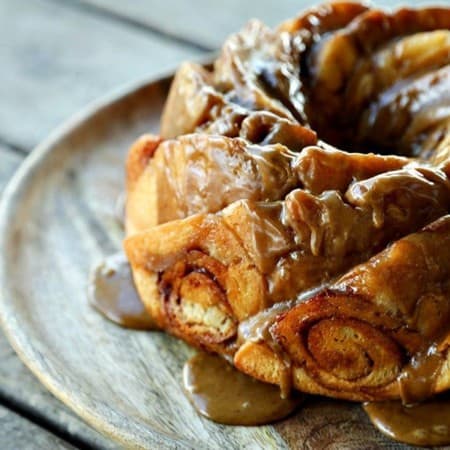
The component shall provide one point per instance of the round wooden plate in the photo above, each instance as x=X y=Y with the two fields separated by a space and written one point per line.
x=57 y=219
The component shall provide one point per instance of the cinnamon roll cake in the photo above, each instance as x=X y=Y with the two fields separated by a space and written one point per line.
x=293 y=213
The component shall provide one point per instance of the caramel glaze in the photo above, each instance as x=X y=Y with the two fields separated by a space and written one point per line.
x=202 y=173
x=296 y=252
x=417 y=418
x=258 y=329
x=223 y=394
x=418 y=378
x=427 y=423
x=112 y=292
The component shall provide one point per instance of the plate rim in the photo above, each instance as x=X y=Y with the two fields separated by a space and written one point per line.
x=29 y=165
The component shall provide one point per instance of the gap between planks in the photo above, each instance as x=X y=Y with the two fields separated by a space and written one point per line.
x=116 y=17
x=13 y=147
x=17 y=432
x=43 y=422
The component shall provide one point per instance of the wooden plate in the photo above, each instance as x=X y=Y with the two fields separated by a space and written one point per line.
x=57 y=218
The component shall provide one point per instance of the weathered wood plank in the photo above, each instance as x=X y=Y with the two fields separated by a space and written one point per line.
x=18 y=433
x=56 y=58
x=207 y=22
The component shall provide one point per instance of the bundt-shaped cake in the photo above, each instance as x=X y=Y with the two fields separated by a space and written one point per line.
x=293 y=214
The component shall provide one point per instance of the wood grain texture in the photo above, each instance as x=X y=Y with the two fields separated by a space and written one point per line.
x=208 y=22
x=18 y=385
x=21 y=388
x=56 y=221
x=56 y=58
x=16 y=432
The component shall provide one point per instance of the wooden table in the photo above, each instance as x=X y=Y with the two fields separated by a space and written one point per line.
x=57 y=56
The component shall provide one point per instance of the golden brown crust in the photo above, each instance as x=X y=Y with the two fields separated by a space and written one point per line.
x=260 y=209
x=258 y=254
x=138 y=157
x=140 y=193
x=358 y=335
x=189 y=102
x=205 y=281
